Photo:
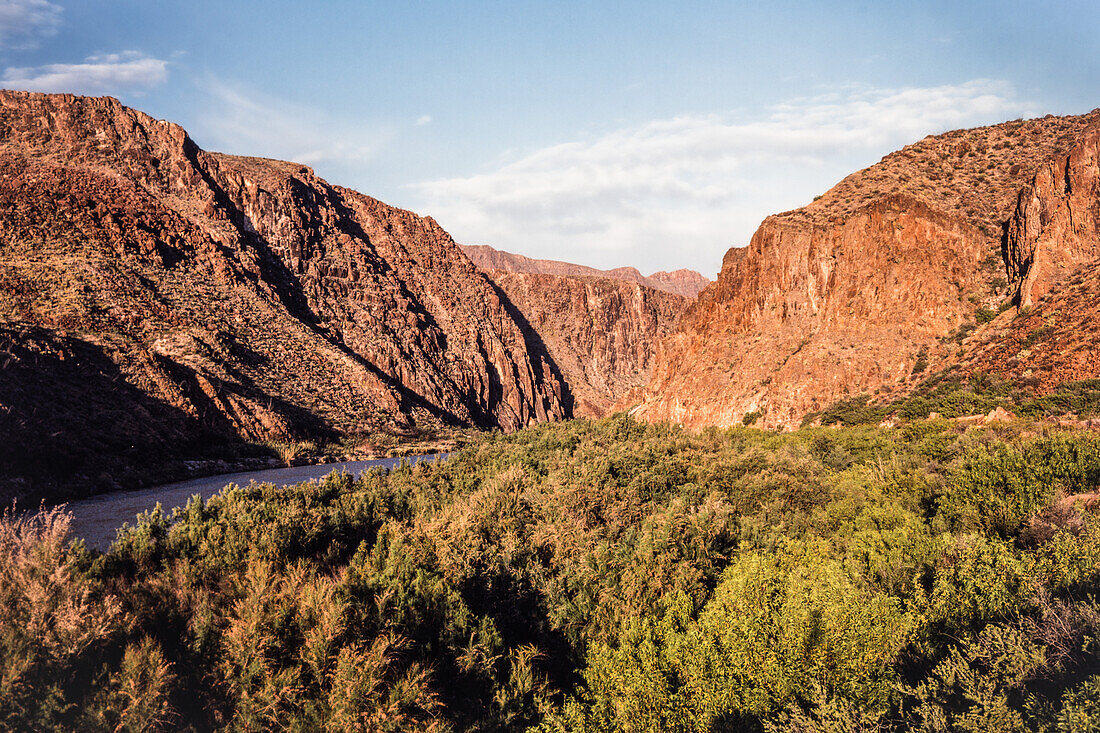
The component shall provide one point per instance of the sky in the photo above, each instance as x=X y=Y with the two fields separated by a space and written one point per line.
x=652 y=134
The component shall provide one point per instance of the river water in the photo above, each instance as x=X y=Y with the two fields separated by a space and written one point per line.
x=96 y=518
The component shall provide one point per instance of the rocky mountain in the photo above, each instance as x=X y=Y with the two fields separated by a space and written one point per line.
x=687 y=283
x=858 y=291
x=1052 y=253
x=157 y=299
x=601 y=333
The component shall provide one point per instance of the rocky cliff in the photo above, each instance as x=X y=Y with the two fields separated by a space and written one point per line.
x=156 y=299
x=1055 y=226
x=683 y=282
x=600 y=333
x=848 y=294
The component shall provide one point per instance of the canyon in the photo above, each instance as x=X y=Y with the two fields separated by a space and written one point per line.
x=161 y=304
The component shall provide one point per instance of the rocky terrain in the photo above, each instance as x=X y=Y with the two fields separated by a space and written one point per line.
x=1054 y=342
x=157 y=300
x=687 y=283
x=601 y=333
x=884 y=274
x=160 y=303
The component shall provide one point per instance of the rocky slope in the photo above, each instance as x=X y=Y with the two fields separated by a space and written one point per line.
x=156 y=300
x=687 y=283
x=599 y=332
x=849 y=294
x=1054 y=342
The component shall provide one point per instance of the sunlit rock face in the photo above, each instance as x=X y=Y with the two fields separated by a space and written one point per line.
x=847 y=295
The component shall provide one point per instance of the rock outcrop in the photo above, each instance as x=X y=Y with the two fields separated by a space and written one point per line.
x=600 y=333
x=1055 y=227
x=850 y=293
x=687 y=283
x=217 y=297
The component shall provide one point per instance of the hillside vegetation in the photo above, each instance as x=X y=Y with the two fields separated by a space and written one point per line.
x=589 y=576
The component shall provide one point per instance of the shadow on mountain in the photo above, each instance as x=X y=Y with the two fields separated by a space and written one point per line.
x=536 y=347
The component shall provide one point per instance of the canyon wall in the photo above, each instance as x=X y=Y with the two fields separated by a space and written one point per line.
x=600 y=333
x=210 y=297
x=850 y=293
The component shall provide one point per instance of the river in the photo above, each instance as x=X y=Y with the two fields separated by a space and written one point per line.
x=96 y=518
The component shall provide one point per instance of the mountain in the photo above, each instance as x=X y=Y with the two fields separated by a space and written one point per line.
x=858 y=291
x=157 y=300
x=601 y=333
x=687 y=283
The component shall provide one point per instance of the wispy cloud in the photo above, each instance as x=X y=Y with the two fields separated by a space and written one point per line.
x=682 y=190
x=23 y=23
x=234 y=119
x=423 y=120
x=129 y=70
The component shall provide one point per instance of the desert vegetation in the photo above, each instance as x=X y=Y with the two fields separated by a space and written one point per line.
x=950 y=394
x=589 y=576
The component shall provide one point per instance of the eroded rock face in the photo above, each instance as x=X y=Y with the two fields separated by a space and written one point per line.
x=683 y=282
x=600 y=333
x=247 y=298
x=846 y=295
x=1055 y=227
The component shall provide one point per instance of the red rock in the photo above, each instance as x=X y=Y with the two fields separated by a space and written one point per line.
x=600 y=333
x=848 y=294
x=209 y=297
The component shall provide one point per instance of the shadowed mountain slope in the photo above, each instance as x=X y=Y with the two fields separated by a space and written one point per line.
x=215 y=297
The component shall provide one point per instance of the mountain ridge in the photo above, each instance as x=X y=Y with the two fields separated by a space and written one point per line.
x=225 y=298
x=848 y=294
x=685 y=282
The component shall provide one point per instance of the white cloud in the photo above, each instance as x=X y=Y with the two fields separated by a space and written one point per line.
x=97 y=75
x=24 y=22
x=236 y=120
x=423 y=120
x=678 y=192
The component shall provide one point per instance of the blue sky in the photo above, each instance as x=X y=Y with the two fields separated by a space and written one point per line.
x=654 y=134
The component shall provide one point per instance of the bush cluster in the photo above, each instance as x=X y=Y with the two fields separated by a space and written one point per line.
x=588 y=576
x=953 y=396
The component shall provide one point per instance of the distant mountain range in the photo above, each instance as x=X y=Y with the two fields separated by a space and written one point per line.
x=687 y=283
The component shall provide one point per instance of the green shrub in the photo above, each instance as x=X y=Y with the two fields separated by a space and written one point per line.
x=593 y=575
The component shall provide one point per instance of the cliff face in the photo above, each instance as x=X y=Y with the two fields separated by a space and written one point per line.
x=1055 y=227
x=213 y=296
x=687 y=283
x=845 y=295
x=600 y=333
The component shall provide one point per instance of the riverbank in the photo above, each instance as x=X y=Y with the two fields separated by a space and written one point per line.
x=138 y=472
x=96 y=519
